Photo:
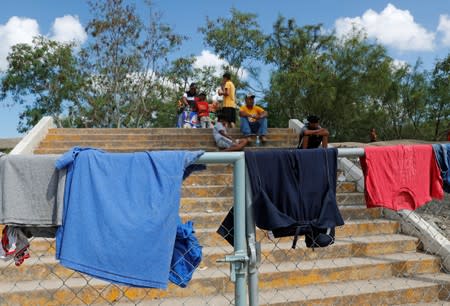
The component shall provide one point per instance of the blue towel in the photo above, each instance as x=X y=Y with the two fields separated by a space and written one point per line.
x=442 y=155
x=187 y=255
x=120 y=214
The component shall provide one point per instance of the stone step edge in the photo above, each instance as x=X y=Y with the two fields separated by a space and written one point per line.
x=265 y=247
x=268 y=269
x=342 y=207
x=370 y=291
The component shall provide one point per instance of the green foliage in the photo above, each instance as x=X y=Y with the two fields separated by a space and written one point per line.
x=439 y=104
x=125 y=64
x=123 y=77
x=44 y=77
x=238 y=40
x=352 y=84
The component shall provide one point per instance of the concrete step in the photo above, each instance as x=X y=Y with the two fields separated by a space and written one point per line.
x=214 y=204
x=227 y=190
x=214 y=218
x=151 y=131
x=205 y=142
x=62 y=150
x=43 y=265
x=353 y=228
x=62 y=138
x=422 y=290
x=209 y=238
x=215 y=281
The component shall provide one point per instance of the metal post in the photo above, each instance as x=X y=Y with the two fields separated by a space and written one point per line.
x=253 y=246
x=240 y=247
x=347 y=152
x=239 y=259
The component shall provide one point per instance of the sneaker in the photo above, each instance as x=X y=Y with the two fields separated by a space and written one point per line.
x=263 y=139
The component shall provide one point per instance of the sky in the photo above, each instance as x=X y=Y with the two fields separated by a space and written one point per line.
x=409 y=29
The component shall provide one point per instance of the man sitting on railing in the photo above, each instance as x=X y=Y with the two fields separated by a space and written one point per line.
x=312 y=134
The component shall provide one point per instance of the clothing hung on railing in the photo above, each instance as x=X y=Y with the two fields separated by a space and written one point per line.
x=125 y=208
x=14 y=245
x=442 y=154
x=401 y=177
x=187 y=255
x=294 y=193
x=31 y=190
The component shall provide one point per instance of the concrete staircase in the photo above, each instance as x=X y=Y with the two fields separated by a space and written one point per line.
x=371 y=263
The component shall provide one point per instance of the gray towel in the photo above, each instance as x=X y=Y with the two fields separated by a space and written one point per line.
x=31 y=190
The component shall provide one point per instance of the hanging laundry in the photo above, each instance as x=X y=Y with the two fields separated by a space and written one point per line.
x=294 y=193
x=14 y=245
x=125 y=208
x=401 y=177
x=32 y=190
x=442 y=154
x=187 y=255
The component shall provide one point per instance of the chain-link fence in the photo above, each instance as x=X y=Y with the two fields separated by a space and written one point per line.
x=377 y=257
x=206 y=196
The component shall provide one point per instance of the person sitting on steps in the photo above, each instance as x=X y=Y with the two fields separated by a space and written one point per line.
x=312 y=134
x=222 y=139
x=253 y=118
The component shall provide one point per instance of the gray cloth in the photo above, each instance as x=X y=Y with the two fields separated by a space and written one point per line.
x=31 y=190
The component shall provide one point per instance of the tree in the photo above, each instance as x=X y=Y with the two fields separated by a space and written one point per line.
x=301 y=82
x=363 y=74
x=439 y=106
x=43 y=77
x=125 y=61
x=238 y=40
x=340 y=80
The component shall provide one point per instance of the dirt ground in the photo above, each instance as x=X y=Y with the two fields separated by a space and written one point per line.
x=437 y=213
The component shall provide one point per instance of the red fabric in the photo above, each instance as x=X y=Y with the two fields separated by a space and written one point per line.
x=202 y=108
x=401 y=177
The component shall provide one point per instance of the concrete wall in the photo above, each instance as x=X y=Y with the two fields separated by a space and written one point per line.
x=32 y=139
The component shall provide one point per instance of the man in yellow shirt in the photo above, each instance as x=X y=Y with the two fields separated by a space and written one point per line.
x=253 y=118
x=228 y=92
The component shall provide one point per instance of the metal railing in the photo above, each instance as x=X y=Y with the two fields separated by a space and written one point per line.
x=348 y=263
x=265 y=270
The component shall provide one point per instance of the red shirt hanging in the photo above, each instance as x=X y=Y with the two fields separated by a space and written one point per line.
x=401 y=177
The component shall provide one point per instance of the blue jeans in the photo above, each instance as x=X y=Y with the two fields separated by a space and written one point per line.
x=259 y=127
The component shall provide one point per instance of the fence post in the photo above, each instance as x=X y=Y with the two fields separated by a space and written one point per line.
x=253 y=246
x=240 y=246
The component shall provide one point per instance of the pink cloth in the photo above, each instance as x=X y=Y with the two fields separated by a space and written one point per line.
x=401 y=177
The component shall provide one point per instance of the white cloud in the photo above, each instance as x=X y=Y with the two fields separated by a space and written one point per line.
x=444 y=27
x=22 y=30
x=68 y=29
x=16 y=30
x=392 y=27
x=206 y=58
x=398 y=64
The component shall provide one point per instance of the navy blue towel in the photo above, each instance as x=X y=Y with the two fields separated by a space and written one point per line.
x=442 y=155
x=294 y=193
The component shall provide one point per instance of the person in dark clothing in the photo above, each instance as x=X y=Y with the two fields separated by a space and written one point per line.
x=187 y=104
x=190 y=97
x=312 y=134
x=373 y=135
